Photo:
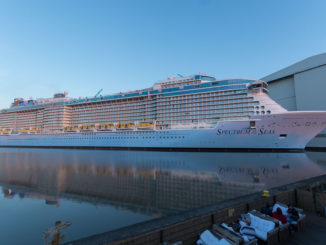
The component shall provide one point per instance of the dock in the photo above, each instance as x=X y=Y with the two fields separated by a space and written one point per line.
x=313 y=234
x=186 y=226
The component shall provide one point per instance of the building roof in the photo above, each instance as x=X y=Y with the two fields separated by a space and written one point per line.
x=303 y=65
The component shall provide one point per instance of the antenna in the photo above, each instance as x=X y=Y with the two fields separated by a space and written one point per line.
x=98 y=92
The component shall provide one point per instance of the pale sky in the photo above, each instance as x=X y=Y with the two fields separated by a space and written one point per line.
x=82 y=46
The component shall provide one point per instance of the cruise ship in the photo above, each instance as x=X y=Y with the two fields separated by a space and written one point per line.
x=194 y=113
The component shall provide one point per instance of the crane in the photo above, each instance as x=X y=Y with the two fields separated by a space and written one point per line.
x=97 y=94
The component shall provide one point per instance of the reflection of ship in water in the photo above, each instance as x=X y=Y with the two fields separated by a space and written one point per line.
x=150 y=182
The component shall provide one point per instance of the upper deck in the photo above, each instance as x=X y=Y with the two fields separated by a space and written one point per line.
x=177 y=90
x=170 y=87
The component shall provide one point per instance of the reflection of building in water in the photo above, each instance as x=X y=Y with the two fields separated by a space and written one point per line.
x=151 y=182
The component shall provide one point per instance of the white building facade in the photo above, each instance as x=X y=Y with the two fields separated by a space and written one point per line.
x=302 y=87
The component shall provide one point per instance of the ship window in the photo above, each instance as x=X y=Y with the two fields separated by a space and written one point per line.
x=268 y=112
x=283 y=135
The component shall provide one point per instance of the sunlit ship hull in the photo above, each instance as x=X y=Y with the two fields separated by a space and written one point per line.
x=284 y=131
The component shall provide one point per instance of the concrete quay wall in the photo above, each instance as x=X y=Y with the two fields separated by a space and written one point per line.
x=187 y=226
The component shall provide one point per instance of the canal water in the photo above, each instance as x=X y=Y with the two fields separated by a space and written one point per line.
x=93 y=191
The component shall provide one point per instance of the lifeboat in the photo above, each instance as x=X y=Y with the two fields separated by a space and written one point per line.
x=87 y=127
x=145 y=125
x=104 y=127
x=71 y=129
x=125 y=126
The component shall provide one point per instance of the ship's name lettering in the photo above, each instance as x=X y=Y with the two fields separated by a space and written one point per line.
x=245 y=131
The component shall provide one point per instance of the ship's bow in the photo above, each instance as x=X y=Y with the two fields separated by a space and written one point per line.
x=295 y=129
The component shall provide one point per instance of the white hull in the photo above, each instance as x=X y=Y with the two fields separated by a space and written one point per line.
x=284 y=131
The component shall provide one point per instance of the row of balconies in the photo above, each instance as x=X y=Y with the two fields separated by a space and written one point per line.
x=195 y=116
x=214 y=100
x=206 y=94
x=204 y=108
x=152 y=114
x=226 y=97
x=113 y=107
x=203 y=119
x=118 y=103
x=207 y=105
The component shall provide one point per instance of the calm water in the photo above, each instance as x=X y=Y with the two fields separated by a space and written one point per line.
x=98 y=191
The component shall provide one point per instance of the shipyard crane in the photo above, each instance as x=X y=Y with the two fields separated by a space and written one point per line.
x=97 y=94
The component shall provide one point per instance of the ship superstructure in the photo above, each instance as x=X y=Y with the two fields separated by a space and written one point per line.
x=173 y=102
x=188 y=108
